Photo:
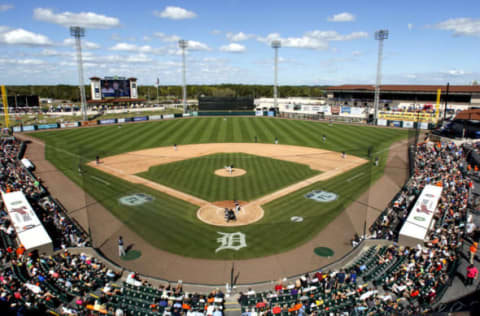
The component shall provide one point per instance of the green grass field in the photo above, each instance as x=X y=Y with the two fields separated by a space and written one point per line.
x=172 y=225
x=196 y=176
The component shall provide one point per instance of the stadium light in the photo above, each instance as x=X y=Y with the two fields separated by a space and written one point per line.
x=183 y=44
x=79 y=32
x=380 y=36
x=275 y=45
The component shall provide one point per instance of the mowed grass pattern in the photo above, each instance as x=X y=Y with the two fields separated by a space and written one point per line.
x=171 y=224
x=196 y=176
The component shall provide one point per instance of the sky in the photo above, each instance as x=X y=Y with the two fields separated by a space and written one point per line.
x=323 y=42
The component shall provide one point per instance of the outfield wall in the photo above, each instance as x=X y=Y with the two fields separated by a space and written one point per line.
x=347 y=118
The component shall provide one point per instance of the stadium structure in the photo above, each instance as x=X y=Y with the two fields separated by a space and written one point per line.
x=301 y=208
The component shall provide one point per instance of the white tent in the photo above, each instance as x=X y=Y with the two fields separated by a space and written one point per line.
x=420 y=219
x=30 y=231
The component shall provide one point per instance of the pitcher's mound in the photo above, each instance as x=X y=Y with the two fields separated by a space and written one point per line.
x=214 y=213
x=236 y=172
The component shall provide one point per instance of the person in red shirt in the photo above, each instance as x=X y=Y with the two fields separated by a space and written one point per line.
x=472 y=274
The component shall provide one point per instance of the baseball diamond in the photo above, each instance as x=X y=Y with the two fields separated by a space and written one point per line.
x=169 y=220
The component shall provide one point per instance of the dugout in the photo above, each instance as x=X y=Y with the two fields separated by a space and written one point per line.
x=226 y=104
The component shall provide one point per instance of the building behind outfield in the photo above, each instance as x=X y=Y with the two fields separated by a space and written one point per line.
x=404 y=96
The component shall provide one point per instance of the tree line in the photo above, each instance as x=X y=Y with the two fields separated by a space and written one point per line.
x=71 y=93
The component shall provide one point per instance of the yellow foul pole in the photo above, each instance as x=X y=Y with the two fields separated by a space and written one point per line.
x=5 y=106
x=437 y=110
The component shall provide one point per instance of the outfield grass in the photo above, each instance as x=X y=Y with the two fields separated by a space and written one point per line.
x=196 y=176
x=171 y=224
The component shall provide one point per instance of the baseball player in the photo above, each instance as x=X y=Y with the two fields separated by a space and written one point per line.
x=121 y=250
x=175 y=147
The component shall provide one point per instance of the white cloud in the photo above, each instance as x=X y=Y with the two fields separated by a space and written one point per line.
x=27 y=61
x=50 y=52
x=233 y=48
x=342 y=17
x=23 y=37
x=237 y=37
x=456 y=72
x=85 y=44
x=410 y=26
x=175 y=13
x=127 y=47
x=146 y=38
x=194 y=45
x=312 y=40
x=84 y=19
x=6 y=7
x=461 y=26
x=166 y=38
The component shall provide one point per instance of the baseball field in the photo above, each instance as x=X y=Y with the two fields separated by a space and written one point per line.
x=170 y=222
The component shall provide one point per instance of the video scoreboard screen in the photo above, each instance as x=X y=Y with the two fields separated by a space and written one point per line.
x=115 y=88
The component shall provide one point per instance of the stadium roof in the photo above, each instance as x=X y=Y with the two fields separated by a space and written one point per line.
x=472 y=114
x=405 y=88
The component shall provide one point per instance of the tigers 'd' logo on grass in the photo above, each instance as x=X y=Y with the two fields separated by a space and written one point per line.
x=233 y=241
x=321 y=196
x=135 y=199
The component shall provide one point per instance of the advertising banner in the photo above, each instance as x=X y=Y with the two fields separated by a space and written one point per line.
x=306 y=108
x=346 y=109
x=155 y=117
x=396 y=123
x=17 y=129
x=89 y=123
x=186 y=114
x=129 y=119
x=140 y=118
x=408 y=124
x=258 y=113
x=69 y=124
x=28 y=128
x=271 y=113
x=108 y=121
x=423 y=125
x=408 y=116
x=325 y=109
x=47 y=126
x=121 y=120
x=335 y=109
x=357 y=111
x=168 y=116
x=382 y=122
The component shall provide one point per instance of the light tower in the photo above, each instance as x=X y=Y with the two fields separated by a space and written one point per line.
x=183 y=44
x=380 y=36
x=275 y=45
x=79 y=32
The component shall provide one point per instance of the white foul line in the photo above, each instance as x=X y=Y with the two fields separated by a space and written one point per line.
x=355 y=176
x=100 y=180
